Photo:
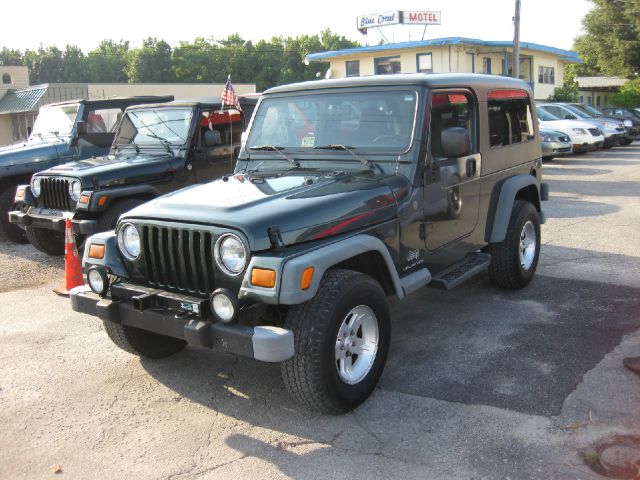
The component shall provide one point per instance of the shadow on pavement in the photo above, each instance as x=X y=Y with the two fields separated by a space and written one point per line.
x=522 y=350
x=567 y=207
x=549 y=170
x=595 y=187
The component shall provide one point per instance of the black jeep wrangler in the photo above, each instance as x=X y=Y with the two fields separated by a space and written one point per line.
x=158 y=148
x=62 y=132
x=346 y=192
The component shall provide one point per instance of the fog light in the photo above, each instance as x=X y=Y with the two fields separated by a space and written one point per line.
x=224 y=305
x=98 y=280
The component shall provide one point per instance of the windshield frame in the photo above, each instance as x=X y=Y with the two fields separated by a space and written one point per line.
x=50 y=108
x=338 y=154
x=157 y=144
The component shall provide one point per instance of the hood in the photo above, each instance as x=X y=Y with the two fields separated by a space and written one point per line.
x=32 y=151
x=119 y=169
x=565 y=126
x=303 y=207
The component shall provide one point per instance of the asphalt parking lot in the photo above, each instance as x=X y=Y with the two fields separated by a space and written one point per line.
x=480 y=383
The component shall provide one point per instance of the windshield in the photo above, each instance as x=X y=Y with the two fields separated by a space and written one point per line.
x=579 y=112
x=52 y=120
x=592 y=112
x=372 y=120
x=546 y=116
x=154 y=127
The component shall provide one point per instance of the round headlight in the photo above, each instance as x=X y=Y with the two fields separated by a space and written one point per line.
x=75 y=189
x=230 y=254
x=35 y=187
x=98 y=280
x=548 y=139
x=129 y=241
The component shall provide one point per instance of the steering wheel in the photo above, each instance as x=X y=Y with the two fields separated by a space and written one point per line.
x=392 y=139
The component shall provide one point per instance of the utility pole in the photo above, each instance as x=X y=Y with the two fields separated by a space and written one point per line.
x=516 y=41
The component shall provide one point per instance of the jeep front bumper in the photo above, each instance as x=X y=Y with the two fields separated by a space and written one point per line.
x=50 y=222
x=159 y=315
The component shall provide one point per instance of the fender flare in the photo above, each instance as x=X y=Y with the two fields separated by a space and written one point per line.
x=502 y=213
x=289 y=271
x=119 y=193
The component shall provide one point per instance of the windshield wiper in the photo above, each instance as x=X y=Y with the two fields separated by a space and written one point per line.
x=130 y=141
x=273 y=148
x=347 y=148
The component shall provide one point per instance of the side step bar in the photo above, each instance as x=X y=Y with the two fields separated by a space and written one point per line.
x=461 y=271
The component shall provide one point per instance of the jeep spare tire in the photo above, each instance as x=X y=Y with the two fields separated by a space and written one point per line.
x=341 y=342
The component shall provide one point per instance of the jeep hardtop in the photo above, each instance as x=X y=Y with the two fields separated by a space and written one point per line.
x=158 y=148
x=345 y=192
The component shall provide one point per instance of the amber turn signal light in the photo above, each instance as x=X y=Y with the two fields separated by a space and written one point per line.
x=262 y=277
x=96 y=251
x=84 y=199
x=307 y=275
x=102 y=200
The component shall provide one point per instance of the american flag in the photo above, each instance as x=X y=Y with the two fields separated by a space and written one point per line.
x=229 y=96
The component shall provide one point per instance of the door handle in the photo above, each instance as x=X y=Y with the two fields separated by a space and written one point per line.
x=471 y=167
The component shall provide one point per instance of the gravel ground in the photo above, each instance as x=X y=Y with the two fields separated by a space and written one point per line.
x=22 y=266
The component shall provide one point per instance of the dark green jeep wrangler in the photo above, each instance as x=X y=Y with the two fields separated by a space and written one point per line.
x=157 y=149
x=346 y=192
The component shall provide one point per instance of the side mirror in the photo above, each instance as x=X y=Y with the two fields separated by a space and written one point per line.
x=212 y=138
x=568 y=116
x=455 y=142
x=81 y=128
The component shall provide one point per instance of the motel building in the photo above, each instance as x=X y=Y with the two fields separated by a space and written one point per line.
x=540 y=65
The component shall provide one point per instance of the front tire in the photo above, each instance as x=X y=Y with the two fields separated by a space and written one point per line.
x=9 y=230
x=515 y=259
x=109 y=218
x=341 y=343
x=142 y=342
x=47 y=241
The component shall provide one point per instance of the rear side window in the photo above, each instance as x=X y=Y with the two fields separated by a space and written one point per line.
x=510 y=118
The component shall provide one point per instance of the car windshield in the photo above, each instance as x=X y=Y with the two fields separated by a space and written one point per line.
x=154 y=127
x=376 y=121
x=546 y=116
x=52 y=121
x=592 y=112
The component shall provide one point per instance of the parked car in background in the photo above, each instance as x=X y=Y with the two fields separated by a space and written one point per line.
x=632 y=127
x=613 y=129
x=628 y=114
x=62 y=132
x=554 y=144
x=158 y=148
x=584 y=137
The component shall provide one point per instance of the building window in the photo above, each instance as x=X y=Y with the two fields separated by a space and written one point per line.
x=588 y=100
x=546 y=75
x=510 y=119
x=486 y=65
x=581 y=98
x=353 y=68
x=387 y=65
x=424 y=63
x=598 y=101
x=6 y=79
x=605 y=99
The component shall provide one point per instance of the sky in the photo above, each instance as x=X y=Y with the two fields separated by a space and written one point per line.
x=85 y=23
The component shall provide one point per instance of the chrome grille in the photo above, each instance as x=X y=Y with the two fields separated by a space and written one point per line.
x=595 y=132
x=179 y=259
x=54 y=193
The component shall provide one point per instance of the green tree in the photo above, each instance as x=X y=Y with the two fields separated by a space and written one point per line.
x=566 y=93
x=11 y=58
x=108 y=62
x=74 y=65
x=611 y=42
x=151 y=63
x=629 y=95
x=45 y=65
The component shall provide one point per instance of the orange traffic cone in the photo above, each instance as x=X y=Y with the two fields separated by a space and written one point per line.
x=72 y=265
